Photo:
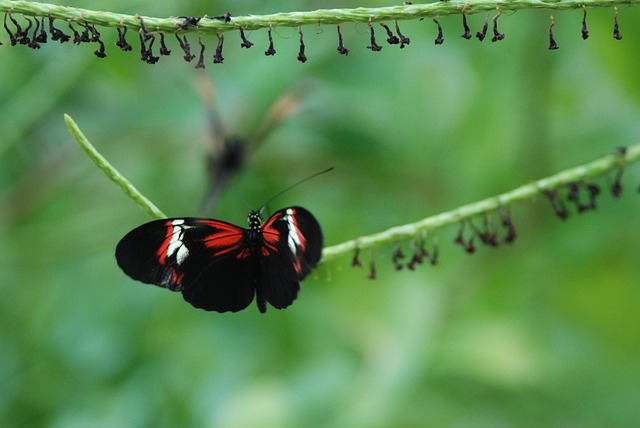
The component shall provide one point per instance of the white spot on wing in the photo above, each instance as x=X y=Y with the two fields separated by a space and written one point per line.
x=176 y=246
x=183 y=253
x=293 y=236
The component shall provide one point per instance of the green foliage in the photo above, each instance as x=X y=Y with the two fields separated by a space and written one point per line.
x=539 y=333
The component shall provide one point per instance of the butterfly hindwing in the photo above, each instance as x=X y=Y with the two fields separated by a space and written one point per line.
x=227 y=283
x=280 y=285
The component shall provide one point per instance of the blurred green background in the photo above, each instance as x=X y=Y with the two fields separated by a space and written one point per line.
x=544 y=332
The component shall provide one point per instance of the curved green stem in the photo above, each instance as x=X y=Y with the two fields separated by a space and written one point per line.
x=295 y=19
x=408 y=231
x=111 y=172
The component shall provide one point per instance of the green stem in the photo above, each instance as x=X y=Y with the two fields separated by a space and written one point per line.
x=408 y=231
x=111 y=172
x=295 y=19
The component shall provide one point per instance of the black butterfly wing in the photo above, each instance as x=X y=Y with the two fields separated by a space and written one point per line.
x=205 y=259
x=227 y=283
x=292 y=247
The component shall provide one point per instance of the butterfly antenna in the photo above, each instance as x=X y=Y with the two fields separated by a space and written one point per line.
x=292 y=186
x=237 y=192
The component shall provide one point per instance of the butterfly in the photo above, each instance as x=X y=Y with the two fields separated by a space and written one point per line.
x=220 y=267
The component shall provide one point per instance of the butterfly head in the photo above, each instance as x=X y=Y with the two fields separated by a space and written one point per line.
x=255 y=220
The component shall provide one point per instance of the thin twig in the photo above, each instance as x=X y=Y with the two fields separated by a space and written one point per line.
x=111 y=172
x=409 y=231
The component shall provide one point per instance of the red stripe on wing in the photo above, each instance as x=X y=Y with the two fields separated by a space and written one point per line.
x=225 y=238
x=162 y=250
x=271 y=236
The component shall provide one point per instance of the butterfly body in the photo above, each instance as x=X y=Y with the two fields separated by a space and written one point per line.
x=220 y=267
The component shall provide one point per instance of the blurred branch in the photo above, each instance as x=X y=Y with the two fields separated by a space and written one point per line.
x=229 y=153
x=220 y=24
x=500 y=202
x=111 y=172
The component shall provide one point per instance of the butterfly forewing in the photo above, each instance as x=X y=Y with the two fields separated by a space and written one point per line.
x=172 y=253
